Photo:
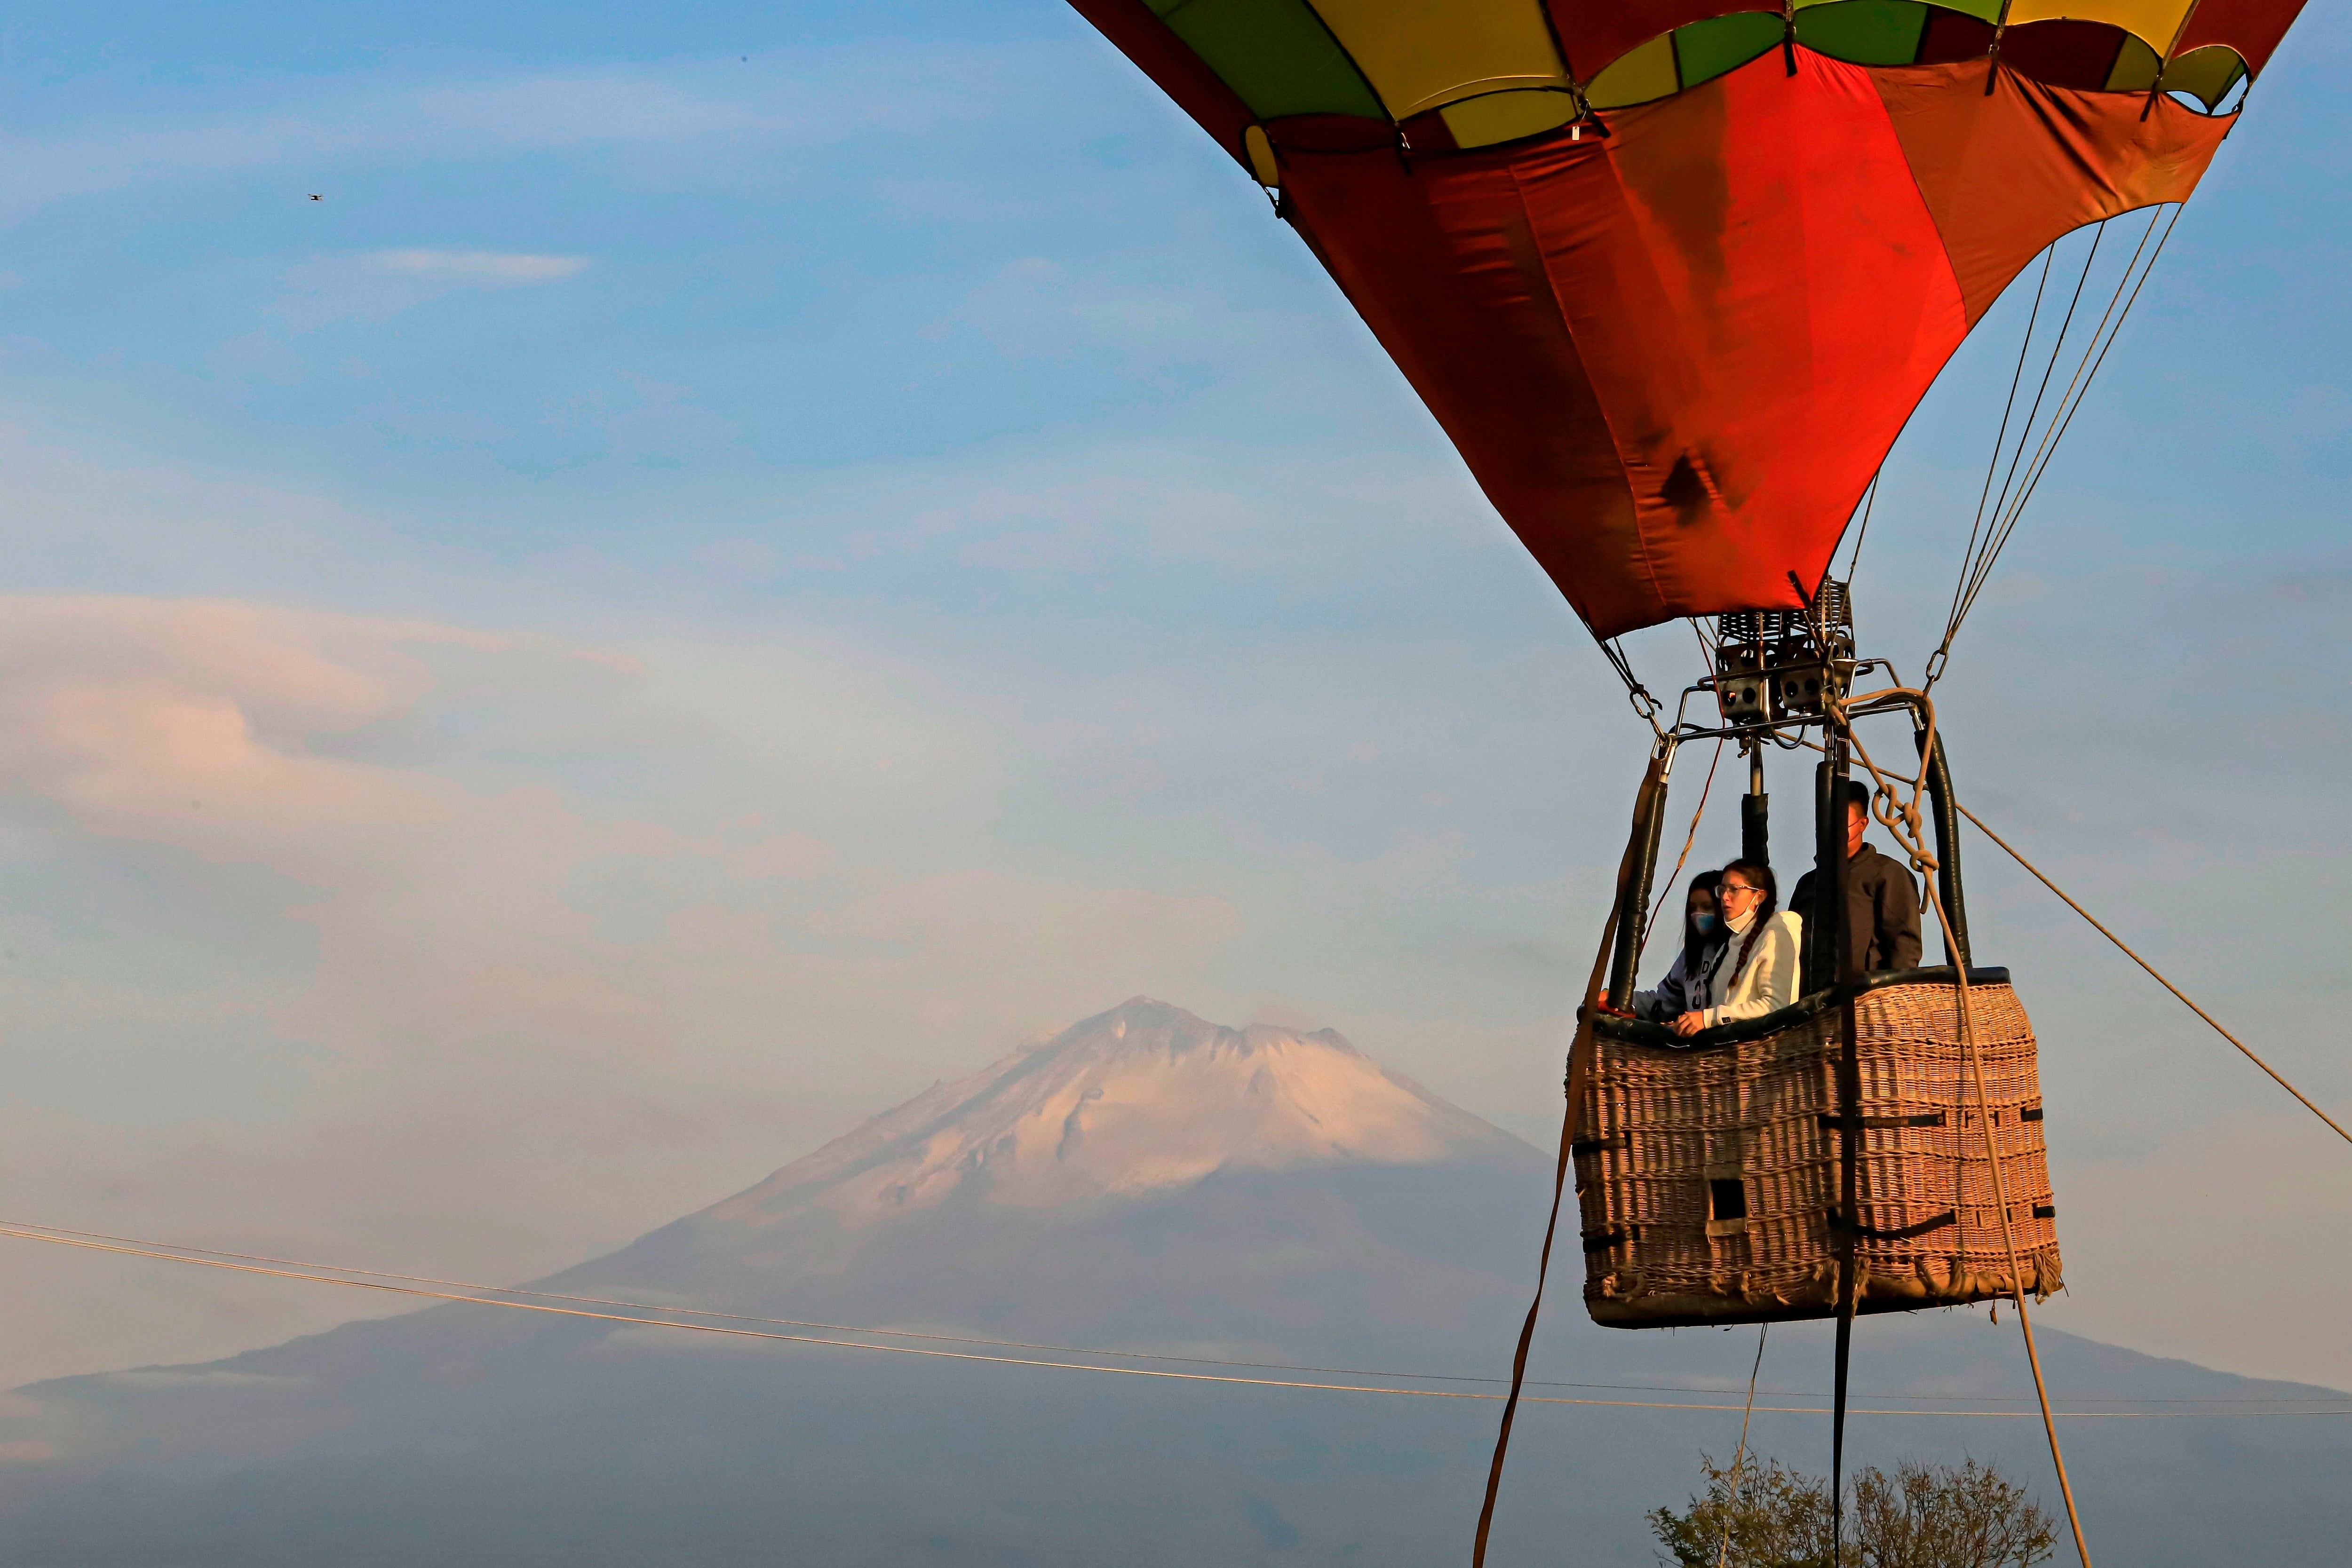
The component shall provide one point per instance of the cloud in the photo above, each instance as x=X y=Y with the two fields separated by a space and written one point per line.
x=491 y=268
x=379 y=285
x=814 y=98
x=314 y=945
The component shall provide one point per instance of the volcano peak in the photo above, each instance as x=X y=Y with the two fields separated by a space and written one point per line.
x=1144 y=1097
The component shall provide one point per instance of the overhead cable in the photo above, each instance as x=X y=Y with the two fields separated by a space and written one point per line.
x=189 y=1253
x=384 y=1286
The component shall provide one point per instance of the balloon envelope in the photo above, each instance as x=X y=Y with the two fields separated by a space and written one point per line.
x=1673 y=280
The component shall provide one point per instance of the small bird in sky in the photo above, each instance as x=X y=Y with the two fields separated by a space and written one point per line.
x=316 y=197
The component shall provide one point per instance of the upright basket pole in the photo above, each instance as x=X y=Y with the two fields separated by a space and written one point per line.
x=1754 y=809
x=1946 y=821
x=1633 y=890
x=1835 y=953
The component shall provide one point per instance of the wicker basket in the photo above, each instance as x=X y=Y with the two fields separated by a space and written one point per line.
x=1708 y=1175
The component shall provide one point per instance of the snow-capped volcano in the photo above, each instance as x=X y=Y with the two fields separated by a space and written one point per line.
x=1209 y=1211
x=1143 y=1097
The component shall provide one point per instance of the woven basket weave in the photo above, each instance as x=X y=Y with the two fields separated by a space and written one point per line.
x=1665 y=1131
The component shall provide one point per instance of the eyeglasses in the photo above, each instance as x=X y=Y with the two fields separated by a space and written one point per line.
x=1729 y=888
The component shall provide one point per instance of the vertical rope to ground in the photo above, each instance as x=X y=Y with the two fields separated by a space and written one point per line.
x=1580 y=1053
x=1723 y=1547
x=2008 y=1235
x=1903 y=821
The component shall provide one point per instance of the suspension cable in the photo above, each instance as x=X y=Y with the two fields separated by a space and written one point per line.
x=2049 y=368
x=1869 y=499
x=1977 y=530
x=2050 y=441
x=1646 y=706
x=2006 y=515
x=1989 y=536
x=2008 y=407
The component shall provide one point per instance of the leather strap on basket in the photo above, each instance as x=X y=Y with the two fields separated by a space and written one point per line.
x=1840 y=1226
x=1579 y=1067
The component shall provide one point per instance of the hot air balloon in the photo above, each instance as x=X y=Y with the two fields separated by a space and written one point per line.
x=1673 y=275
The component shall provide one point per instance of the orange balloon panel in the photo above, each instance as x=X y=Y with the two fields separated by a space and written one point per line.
x=1673 y=355
x=1672 y=342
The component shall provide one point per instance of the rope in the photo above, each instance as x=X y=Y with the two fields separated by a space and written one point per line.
x=2157 y=975
x=159 y=1249
x=2007 y=1234
x=1914 y=844
x=1579 y=1052
x=1723 y=1547
x=1848 y=1282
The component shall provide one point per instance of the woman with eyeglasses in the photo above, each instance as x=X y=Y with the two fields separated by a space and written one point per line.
x=1756 y=971
x=1704 y=938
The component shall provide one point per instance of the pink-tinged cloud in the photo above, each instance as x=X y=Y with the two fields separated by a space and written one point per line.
x=523 y=1020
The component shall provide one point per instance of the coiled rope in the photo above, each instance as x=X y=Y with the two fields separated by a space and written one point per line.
x=2125 y=949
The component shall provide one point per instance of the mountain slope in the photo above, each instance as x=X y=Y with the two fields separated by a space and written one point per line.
x=1145 y=1180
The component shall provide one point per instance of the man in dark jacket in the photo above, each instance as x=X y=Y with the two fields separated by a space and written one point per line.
x=1881 y=902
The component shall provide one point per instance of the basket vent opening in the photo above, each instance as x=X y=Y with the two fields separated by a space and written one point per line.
x=1727 y=1198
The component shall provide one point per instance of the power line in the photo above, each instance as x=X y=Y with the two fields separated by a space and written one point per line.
x=191 y=1253
x=383 y=1283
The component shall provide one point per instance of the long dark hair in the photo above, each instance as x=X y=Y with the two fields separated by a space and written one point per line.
x=1694 y=944
x=1758 y=876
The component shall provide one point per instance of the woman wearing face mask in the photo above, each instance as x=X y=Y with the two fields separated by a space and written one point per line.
x=1758 y=973
x=1685 y=986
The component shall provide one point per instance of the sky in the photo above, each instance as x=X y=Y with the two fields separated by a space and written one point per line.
x=740 y=561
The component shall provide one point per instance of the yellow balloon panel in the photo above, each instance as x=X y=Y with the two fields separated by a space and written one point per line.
x=2157 y=21
x=1638 y=76
x=1422 y=54
x=1498 y=117
x=2134 y=69
x=2208 y=74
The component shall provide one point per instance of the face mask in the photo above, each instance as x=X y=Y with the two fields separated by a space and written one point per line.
x=1705 y=923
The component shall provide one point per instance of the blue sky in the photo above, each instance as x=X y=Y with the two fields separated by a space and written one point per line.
x=739 y=561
